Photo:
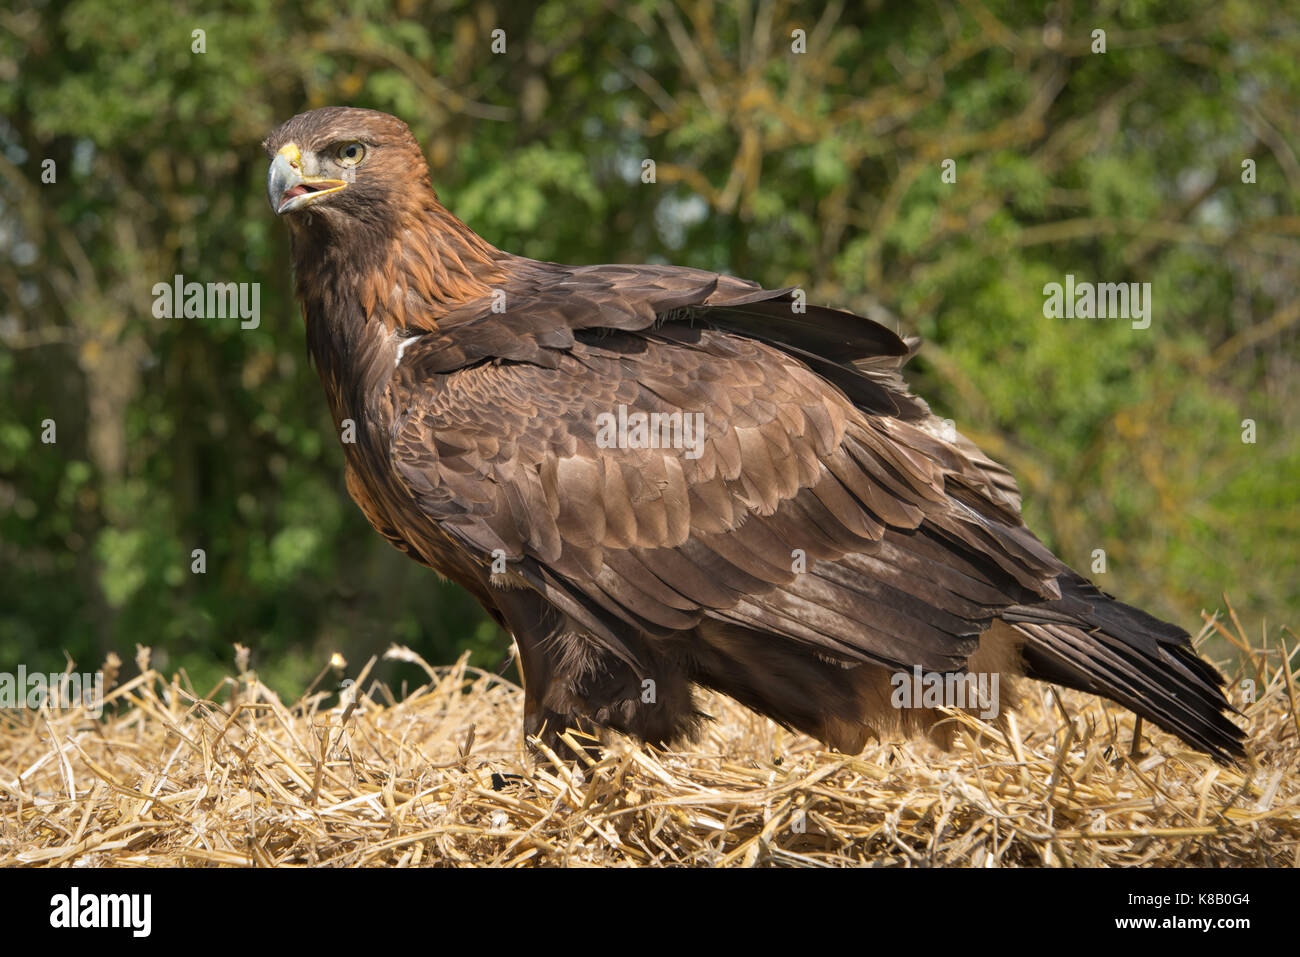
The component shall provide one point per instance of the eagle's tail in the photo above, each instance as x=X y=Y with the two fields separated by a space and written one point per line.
x=1089 y=641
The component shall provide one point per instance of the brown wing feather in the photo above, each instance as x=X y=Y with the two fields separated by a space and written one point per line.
x=656 y=536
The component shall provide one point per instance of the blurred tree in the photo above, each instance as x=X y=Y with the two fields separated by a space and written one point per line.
x=792 y=144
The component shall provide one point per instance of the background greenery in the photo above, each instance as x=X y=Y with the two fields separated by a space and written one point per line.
x=820 y=169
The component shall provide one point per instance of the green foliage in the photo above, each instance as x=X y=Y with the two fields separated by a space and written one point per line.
x=820 y=169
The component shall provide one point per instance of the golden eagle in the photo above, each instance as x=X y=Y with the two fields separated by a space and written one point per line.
x=657 y=477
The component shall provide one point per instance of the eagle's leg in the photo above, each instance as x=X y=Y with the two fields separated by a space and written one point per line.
x=549 y=708
x=574 y=683
x=549 y=727
x=655 y=703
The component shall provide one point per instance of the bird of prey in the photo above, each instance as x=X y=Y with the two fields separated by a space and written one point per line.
x=659 y=478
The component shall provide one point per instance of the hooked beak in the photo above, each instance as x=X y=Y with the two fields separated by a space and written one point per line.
x=288 y=189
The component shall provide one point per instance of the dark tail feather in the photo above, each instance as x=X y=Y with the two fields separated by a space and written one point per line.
x=1089 y=641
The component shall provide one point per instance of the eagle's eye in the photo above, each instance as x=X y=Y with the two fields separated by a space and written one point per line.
x=350 y=154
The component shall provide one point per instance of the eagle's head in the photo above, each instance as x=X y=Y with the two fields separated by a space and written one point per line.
x=366 y=227
x=341 y=166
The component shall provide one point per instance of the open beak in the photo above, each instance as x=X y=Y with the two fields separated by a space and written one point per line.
x=288 y=189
